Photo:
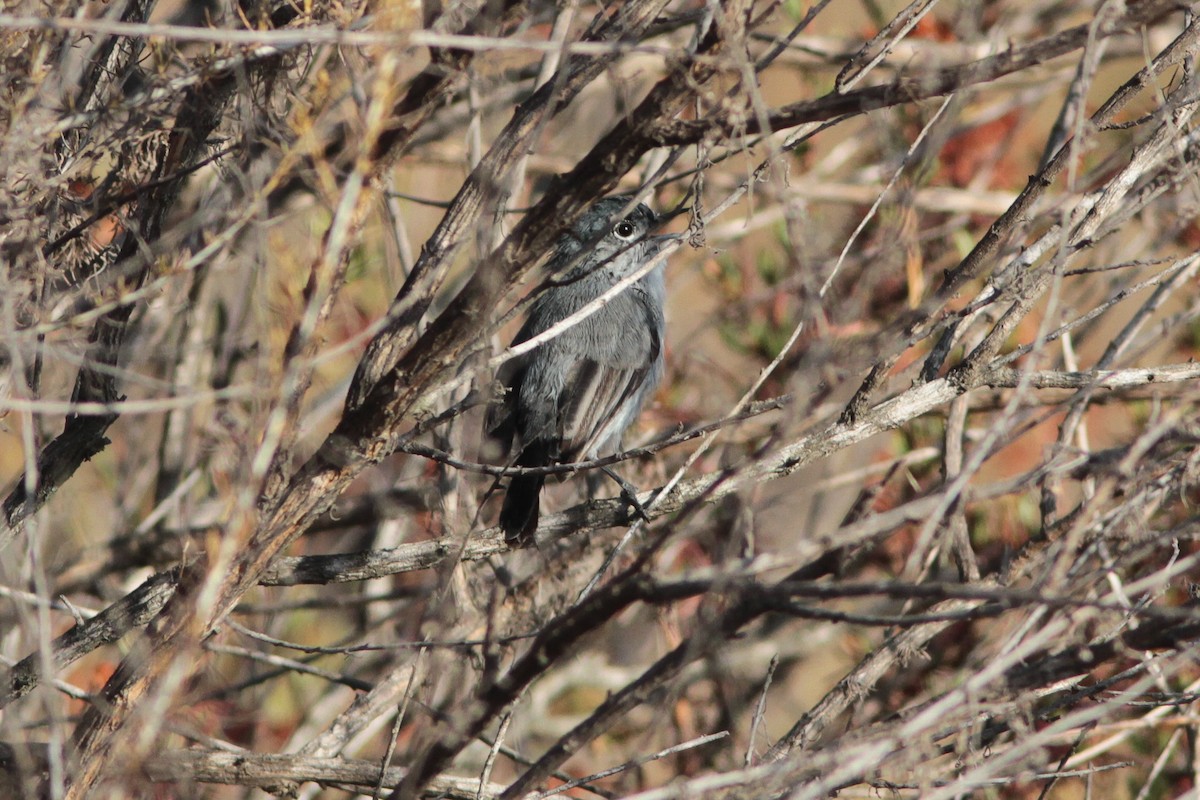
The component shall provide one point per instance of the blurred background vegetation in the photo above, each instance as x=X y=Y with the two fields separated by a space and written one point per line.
x=1068 y=507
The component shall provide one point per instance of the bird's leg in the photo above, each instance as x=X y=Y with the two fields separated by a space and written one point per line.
x=628 y=493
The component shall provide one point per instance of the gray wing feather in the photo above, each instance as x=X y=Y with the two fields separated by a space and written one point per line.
x=612 y=381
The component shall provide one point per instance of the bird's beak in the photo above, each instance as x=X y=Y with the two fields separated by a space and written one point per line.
x=659 y=243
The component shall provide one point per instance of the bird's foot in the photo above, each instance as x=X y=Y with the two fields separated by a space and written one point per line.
x=628 y=494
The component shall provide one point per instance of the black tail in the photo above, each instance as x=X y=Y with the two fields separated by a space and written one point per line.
x=519 y=514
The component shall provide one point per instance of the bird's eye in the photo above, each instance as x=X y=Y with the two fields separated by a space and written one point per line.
x=624 y=229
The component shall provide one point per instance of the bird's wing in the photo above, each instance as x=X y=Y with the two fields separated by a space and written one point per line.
x=594 y=397
x=602 y=394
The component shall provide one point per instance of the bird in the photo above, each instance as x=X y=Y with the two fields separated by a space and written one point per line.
x=571 y=398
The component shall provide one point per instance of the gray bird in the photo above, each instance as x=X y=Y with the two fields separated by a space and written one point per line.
x=572 y=397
